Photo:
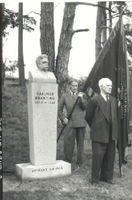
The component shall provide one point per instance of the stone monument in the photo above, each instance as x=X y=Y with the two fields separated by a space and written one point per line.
x=42 y=119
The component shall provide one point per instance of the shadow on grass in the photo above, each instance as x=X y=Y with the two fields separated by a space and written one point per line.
x=28 y=195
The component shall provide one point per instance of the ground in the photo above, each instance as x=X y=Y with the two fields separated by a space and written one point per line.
x=73 y=187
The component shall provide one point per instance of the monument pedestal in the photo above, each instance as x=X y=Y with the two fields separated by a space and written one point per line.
x=29 y=171
x=42 y=91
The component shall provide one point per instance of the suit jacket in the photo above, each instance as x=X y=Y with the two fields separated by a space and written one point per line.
x=78 y=116
x=98 y=119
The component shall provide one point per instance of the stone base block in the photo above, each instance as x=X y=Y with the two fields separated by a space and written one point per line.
x=29 y=171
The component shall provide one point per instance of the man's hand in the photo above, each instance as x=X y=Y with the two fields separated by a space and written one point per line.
x=65 y=121
x=80 y=94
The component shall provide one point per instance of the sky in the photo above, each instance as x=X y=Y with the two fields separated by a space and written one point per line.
x=82 y=55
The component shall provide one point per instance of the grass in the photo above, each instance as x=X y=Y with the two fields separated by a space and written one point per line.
x=73 y=187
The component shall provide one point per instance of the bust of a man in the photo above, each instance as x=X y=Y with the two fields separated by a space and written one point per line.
x=42 y=72
x=42 y=62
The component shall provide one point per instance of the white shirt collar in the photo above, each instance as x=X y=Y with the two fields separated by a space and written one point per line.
x=104 y=96
x=73 y=93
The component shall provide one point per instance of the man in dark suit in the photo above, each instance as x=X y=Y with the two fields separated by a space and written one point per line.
x=101 y=115
x=76 y=125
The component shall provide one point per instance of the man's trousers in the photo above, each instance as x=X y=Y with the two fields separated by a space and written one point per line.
x=103 y=156
x=72 y=134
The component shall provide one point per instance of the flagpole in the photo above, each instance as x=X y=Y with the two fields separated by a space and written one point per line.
x=69 y=118
x=119 y=140
x=120 y=150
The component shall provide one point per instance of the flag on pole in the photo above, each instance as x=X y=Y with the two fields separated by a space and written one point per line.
x=112 y=63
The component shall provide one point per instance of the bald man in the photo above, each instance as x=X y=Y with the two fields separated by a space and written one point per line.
x=101 y=115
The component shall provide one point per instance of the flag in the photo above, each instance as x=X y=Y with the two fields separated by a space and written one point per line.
x=112 y=63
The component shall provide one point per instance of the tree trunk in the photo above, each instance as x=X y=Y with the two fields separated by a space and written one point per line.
x=47 y=42
x=64 y=47
x=110 y=18
x=1 y=80
x=2 y=77
x=104 y=25
x=100 y=28
x=20 y=47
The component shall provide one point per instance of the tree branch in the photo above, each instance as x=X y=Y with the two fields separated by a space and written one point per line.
x=33 y=13
x=91 y=4
x=80 y=30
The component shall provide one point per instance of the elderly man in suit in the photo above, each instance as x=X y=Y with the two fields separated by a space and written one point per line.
x=101 y=115
x=76 y=125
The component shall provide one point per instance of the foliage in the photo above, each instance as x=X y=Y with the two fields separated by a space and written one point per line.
x=11 y=20
x=120 y=6
x=28 y=20
x=11 y=65
x=128 y=32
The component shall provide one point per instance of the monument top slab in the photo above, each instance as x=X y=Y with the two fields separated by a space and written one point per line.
x=41 y=76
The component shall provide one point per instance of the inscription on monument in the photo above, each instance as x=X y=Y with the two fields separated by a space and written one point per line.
x=45 y=98
x=47 y=169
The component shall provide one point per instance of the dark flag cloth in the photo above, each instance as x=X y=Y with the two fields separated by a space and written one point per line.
x=112 y=63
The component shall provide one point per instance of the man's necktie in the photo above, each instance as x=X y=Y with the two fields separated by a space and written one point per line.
x=107 y=97
x=74 y=94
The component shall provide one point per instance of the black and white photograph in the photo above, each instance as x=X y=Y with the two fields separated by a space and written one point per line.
x=66 y=100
